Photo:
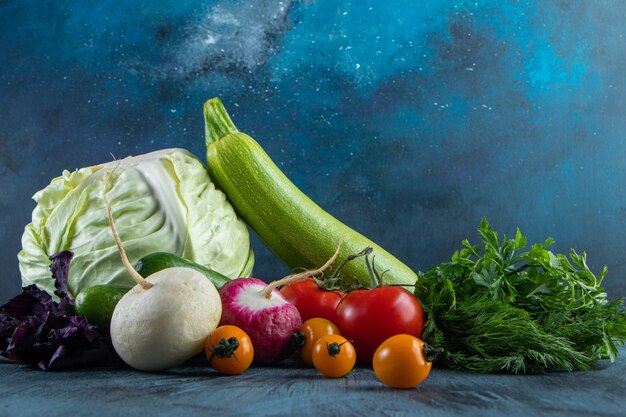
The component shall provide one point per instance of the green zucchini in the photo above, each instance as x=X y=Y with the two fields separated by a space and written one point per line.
x=289 y=223
x=98 y=302
x=157 y=261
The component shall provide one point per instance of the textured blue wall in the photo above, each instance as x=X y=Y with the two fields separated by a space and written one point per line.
x=408 y=120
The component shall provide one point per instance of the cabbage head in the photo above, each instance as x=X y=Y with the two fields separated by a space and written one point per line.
x=162 y=201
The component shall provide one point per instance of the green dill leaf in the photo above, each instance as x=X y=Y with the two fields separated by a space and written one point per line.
x=496 y=309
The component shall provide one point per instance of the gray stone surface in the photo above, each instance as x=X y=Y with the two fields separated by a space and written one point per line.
x=291 y=390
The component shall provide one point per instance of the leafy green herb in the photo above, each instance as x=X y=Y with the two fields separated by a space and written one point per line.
x=498 y=309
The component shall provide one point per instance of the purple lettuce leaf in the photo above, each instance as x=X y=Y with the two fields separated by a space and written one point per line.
x=77 y=344
x=26 y=342
x=36 y=330
x=31 y=302
x=60 y=269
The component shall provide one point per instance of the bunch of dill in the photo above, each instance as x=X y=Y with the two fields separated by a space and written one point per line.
x=497 y=309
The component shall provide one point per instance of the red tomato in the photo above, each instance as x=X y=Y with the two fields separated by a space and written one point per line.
x=369 y=317
x=311 y=300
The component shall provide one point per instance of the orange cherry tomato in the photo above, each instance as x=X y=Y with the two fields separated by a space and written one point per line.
x=333 y=355
x=402 y=361
x=310 y=332
x=229 y=350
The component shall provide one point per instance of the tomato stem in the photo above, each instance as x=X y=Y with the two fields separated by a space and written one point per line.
x=334 y=348
x=267 y=291
x=352 y=257
x=431 y=353
x=335 y=281
x=374 y=281
x=379 y=276
x=225 y=348
x=298 y=340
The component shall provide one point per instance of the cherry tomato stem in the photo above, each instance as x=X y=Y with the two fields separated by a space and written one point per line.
x=334 y=356
x=229 y=350
x=310 y=332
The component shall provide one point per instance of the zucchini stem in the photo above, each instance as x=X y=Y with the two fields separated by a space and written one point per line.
x=217 y=122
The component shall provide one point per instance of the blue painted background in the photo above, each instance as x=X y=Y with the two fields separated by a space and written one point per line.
x=409 y=120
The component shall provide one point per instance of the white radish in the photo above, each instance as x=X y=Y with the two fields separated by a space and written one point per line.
x=164 y=320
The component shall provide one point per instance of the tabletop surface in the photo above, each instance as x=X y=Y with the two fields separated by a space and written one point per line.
x=290 y=389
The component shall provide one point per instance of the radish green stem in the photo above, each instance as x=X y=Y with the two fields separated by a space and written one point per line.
x=129 y=267
x=267 y=291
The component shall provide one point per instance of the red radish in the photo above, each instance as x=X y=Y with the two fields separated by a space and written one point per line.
x=269 y=322
x=261 y=311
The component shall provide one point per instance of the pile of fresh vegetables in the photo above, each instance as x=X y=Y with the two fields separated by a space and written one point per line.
x=165 y=224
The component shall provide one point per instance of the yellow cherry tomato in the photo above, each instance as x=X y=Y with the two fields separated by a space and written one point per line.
x=333 y=355
x=229 y=350
x=402 y=362
x=311 y=330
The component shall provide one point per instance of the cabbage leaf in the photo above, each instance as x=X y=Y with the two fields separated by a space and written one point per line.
x=163 y=201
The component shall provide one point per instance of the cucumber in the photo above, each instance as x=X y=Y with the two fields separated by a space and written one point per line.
x=288 y=222
x=98 y=302
x=157 y=261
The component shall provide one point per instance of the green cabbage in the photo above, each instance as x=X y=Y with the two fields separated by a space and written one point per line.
x=163 y=201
